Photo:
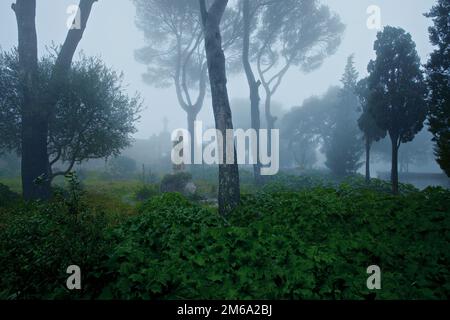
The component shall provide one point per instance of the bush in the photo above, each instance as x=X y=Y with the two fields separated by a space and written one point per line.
x=146 y=192
x=312 y=244
x=289 y=183
x=145 y=264
x=175 y=182
x=37 y=244
x=7 y=197
x=341 y=232
x=289 y=241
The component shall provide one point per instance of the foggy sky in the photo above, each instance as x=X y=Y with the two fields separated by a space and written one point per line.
x=112 y=34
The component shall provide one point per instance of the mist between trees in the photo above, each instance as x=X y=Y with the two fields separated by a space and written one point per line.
x=344 y=195
x=60 y=113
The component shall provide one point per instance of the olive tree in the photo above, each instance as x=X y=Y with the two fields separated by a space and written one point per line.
x=93 y=116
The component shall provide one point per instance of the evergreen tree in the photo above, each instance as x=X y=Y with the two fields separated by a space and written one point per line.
x=343 y=148
x=367 y=123
x=438 y=80
x=397 y=90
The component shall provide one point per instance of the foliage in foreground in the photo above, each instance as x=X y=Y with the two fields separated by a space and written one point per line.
x=7 y=197
x=37 y=244
x=312 y=243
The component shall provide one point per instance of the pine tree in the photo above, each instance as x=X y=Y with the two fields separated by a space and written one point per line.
x=438 y=80
x=344 y=148
x=367 y=123
x=397 y=90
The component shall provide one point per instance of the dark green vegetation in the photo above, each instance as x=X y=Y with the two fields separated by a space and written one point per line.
x=438 y=79
x=295 y=238
x=223 y=233
x=342 y=143
x=93 y=118
x=397 y=92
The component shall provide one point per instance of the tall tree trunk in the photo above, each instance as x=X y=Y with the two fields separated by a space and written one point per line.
x=367 y=160
x=191 y=117
x=65 y=57
x=394 y=165
x=63 y=64
x=36 y=169
x=229 y=190
x=270 y=119
x=253 y=86
x=73 y=38
x=34 y=125
x=193 y=110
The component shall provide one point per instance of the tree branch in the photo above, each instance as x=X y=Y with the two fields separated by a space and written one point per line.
x=202 y=88
x=63 y=173
x=58 y=156
x=73 y=37
x=185 y=64
x=178 y=89
x=279 y=77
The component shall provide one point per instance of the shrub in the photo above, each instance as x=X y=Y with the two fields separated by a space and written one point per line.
x=288 y=241
x=288 y=183
x=7 y=197
x=146 y=192
x=312 y=244
x=146 y=264
x=175 y=182
x=37 y=244
x=73 y=195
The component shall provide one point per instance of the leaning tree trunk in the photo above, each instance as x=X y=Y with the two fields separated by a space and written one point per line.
x=229 y=190
x=34 y=163
x=192 y=111
x=367 y=160
x=62 y=68
x=394 y=165
x=65 y=57
x=253 y=86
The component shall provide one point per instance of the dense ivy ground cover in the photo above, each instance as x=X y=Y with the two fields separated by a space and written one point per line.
x=37 y=244
x=314 y=244
x=282 y=243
